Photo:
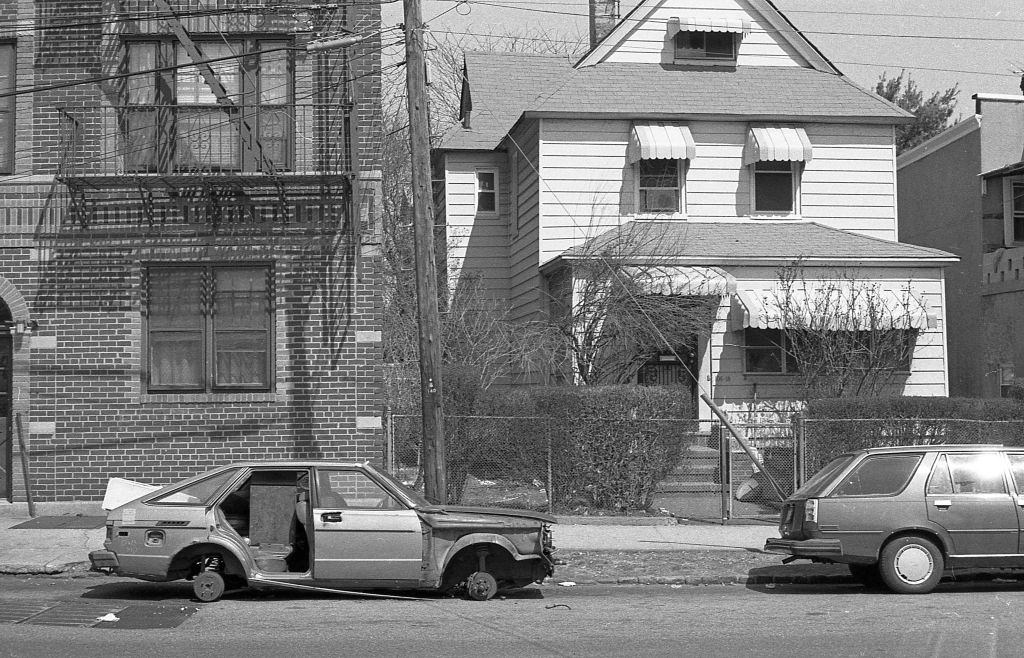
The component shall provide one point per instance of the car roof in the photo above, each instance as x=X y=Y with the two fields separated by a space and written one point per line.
x=942 y=447
x=294 y=463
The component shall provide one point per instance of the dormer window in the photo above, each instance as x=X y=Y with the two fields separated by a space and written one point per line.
x=706 y=40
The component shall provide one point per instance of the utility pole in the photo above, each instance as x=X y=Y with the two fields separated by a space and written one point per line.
x=434 y=471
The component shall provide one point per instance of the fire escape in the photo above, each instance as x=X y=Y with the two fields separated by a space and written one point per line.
x=142 y=165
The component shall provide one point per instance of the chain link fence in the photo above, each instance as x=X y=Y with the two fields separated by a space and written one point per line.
x=706 y=473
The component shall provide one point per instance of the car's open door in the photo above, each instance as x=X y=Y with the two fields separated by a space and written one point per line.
x=362 y=534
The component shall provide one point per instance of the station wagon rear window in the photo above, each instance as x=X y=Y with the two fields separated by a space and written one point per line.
x=197 y=493
x=880 y=475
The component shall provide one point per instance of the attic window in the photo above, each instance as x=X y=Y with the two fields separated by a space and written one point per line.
x=706 y=40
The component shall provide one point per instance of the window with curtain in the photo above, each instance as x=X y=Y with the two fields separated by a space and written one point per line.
x=209 y=328
x=173 y=119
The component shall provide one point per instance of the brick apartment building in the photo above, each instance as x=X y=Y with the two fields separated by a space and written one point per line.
x=188 y=264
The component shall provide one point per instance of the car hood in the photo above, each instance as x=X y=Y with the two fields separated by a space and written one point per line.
x=465 y=514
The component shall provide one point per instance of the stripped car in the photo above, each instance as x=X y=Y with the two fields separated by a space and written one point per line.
x=319 y=524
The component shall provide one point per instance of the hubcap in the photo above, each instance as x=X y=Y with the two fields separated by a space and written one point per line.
x=914 y=564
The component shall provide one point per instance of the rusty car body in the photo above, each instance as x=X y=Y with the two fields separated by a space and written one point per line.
x=320 y=524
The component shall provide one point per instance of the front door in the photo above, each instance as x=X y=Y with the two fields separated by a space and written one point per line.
x=967 y=495
x=362 y=534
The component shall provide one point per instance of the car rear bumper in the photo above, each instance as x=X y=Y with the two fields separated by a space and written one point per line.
x=811 y=548
x=103 y=561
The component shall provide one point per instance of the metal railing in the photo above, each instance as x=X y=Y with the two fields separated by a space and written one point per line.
x=182 y=139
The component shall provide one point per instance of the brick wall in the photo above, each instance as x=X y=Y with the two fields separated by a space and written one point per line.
x=75 y=257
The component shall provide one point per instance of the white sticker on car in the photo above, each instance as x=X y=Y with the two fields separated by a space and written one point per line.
x=128 y=516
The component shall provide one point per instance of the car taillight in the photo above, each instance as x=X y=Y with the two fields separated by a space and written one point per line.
x=811 y=510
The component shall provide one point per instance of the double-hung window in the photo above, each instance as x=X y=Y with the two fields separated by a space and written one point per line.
x=209 y=328
x=660 y=186
x=7 y=81
x=1018 y=211
x=775 y=187
x=176 y=119
x=776 y=157
x=487 y=192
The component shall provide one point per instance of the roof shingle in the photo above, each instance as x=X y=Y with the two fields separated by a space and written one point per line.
x=503 y=86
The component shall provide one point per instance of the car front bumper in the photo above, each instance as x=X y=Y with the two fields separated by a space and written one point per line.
x=809 y=548
x=104 y=561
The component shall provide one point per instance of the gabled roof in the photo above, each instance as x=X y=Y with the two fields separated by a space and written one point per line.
x=505 y=86
x=767 y=10
x=754 y=241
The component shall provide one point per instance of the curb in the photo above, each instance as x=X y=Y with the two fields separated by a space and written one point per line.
x=696 y=581
x=617 y=520
x=72 y=569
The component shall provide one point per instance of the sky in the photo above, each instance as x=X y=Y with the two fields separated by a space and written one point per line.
x=975 y=44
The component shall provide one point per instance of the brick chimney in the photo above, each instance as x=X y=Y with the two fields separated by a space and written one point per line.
x=604 y=14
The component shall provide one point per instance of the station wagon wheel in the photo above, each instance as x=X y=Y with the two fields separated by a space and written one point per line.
x=911 y=565
x=208 y=586
x=481 y=586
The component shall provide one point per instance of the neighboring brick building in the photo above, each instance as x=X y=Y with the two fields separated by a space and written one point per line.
x=188 y=267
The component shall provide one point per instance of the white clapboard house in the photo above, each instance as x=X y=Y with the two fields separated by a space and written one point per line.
x=710 y=142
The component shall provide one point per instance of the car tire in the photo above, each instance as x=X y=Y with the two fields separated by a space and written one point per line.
x=911 y=565
x=481 y=586
x=208 y=586
x=867 y=575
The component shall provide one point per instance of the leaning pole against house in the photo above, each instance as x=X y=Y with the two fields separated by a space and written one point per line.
x=743 y=443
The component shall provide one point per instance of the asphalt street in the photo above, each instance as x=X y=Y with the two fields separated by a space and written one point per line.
x=976 y=619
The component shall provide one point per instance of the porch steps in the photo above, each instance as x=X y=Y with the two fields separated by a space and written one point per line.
x=696 y=472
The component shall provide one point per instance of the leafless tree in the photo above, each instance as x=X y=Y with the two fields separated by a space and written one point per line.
x=619 y=305
x=842 y=334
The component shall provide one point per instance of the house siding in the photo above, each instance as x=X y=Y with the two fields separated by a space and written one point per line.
x=650 y=42
x=737 y=391
x=75 y=267
x=588 y=186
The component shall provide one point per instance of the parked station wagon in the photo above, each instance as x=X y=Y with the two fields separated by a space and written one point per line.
x=905 y=516
x=320 y=524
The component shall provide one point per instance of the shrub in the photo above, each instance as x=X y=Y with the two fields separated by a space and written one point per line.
x=608 y=447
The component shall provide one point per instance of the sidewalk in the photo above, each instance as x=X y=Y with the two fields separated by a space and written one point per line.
x=594 y=551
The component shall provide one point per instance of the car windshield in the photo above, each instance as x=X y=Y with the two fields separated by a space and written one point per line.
x=824 y=477
x=416 y=497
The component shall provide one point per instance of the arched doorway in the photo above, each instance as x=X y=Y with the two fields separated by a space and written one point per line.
x=6 y=437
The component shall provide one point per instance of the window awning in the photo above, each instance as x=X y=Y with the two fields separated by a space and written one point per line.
x=660 y=140
x=688 y=280
x=891 y=309
x=777 y=143
x=737 y=25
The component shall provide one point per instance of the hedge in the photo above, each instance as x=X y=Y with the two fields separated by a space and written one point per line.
x=609 y=445
x=835 y=426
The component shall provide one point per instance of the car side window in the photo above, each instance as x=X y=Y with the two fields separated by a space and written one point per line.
x=881 y=475
x=1017 y=470
x=939 y=482
x=977 y=473
x=350 y=489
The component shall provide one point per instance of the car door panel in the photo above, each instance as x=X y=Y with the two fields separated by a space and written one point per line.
x=967 y=496
x=356 y=541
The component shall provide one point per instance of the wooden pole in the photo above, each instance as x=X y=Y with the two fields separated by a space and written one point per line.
x=23 y=449
x=434 y=471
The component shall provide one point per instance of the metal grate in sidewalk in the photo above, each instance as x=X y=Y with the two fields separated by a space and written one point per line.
x=54 y=613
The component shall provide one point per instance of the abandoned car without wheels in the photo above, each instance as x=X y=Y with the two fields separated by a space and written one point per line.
x=342 y=526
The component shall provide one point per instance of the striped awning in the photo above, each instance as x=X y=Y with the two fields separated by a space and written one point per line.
x=884 y=308
x=777 y=143
x=685 y=280
x=660 y=140
x=737 y=25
